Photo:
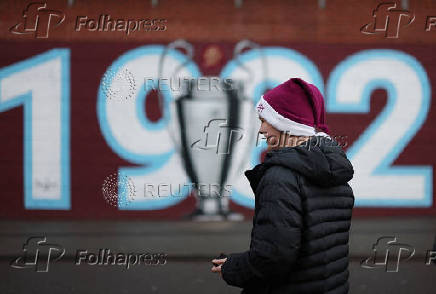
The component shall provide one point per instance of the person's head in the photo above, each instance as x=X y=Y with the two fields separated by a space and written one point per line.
x=277 y=139
x=290 y=114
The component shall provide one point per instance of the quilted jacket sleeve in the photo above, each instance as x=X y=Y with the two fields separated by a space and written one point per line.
x=276 y=237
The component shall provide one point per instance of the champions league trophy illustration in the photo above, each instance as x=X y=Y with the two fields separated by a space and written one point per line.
x=212 y=131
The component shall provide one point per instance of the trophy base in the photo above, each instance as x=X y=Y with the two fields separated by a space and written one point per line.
x=199 y=215
x=234 y=216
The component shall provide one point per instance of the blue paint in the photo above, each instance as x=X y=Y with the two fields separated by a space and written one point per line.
x=363 y=106
x=31 y=201
x=153 y=161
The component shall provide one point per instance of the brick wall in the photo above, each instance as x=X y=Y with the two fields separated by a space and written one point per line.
x=261 y=21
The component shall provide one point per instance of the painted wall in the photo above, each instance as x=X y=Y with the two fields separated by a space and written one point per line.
x=65 y=130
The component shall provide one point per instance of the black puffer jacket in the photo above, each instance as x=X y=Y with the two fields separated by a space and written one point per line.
x=303 y=208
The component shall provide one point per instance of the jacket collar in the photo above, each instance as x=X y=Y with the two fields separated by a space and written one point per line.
x=254 y=175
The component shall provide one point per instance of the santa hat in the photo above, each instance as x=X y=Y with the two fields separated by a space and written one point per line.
x=295 y=107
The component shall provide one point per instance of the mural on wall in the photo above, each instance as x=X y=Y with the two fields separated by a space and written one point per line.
x=93 y=110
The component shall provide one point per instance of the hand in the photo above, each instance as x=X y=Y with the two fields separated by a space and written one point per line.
x=217 y=269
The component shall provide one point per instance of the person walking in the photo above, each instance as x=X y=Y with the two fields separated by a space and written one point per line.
x=303 y=202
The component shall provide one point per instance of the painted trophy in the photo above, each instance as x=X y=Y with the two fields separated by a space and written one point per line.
x=212 y=131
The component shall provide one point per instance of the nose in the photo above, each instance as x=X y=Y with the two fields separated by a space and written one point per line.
x=262 y=127
x=262 y=131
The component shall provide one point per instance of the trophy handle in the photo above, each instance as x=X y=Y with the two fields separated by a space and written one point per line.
x=179 y=43
x=241 y=45
x=171 y=129
x=252 y=135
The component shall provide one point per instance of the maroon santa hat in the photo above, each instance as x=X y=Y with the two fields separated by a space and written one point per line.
x=296 y=107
